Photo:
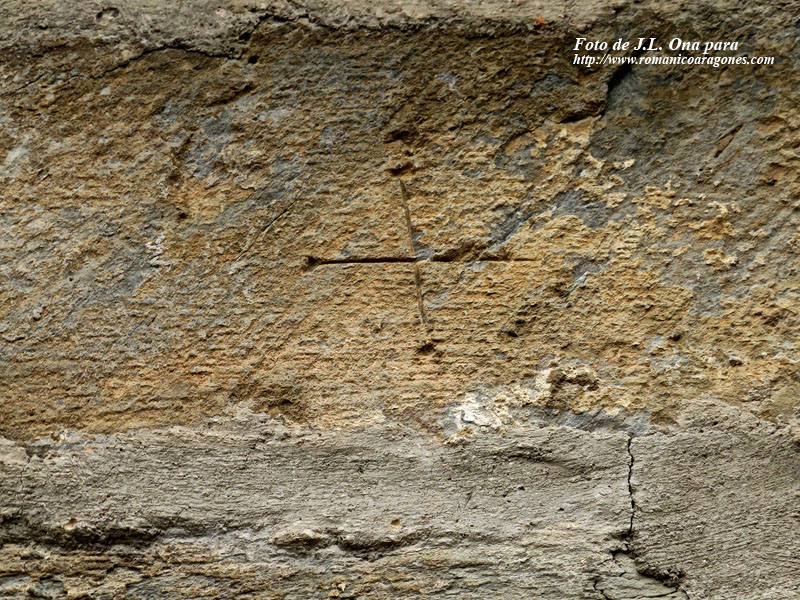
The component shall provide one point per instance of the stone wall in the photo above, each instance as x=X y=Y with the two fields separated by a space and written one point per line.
x=392 y=299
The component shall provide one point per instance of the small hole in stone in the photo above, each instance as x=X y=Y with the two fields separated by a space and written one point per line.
x=108 y=13
x=181 y=215
x=426 y=348
x=253 y=59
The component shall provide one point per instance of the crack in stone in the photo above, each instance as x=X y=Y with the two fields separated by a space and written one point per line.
x=417 y=275
x=600 y=590
x=633 y=582
x=22 y=87
x=314 y=261
x=631 y=461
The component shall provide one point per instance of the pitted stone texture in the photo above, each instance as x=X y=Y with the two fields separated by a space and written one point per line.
x=330 y=228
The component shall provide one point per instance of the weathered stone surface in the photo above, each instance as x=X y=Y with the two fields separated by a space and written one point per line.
x=381 y=512
x=176 y=219
x=391 y=299
x=720 y=510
